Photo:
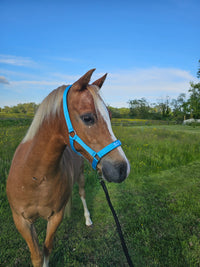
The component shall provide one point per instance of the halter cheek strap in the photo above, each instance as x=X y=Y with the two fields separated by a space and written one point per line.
x=74 y=137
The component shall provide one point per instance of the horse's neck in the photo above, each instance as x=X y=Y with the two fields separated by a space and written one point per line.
x=47 y=147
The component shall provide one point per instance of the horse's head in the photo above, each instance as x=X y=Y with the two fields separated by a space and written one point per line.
x=91 y=122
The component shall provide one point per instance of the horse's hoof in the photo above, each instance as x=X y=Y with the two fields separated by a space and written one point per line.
x=89 y=226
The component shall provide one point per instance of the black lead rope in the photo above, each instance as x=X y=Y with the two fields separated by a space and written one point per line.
x=119 y=230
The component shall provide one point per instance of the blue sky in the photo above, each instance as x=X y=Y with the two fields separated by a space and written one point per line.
x=148 y=48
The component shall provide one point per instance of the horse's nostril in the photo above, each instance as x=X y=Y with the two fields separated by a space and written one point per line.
x=116 y=172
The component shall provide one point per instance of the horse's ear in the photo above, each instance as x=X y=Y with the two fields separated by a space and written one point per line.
x=100 y=81
x=82 y=83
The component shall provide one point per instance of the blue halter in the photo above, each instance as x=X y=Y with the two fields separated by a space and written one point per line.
x=95 y=155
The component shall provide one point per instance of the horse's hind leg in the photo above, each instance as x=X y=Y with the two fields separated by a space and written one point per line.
x=52 y=225
x=27 y=230
x=81 y=184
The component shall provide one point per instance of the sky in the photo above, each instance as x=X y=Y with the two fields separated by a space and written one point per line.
x=148 y=48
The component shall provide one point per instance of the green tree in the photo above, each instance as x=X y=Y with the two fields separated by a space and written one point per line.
x=164 y=107
x=194 y=100
x=119 y=112
x=26 y=108
x=180 y=107
x=115 y=112
x=6 y=109
x=139 y=108
x=198 y=72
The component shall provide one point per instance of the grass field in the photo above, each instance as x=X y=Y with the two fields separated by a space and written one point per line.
x=158 y=205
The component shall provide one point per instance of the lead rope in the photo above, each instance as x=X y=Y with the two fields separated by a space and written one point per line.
x=119 y=230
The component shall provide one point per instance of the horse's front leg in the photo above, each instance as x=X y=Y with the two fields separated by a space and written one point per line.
x=52 y=225
x=27 y=230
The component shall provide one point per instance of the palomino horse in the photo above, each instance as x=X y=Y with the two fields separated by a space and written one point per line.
x=45 y=167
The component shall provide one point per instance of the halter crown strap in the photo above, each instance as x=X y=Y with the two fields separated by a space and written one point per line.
x=95 y=155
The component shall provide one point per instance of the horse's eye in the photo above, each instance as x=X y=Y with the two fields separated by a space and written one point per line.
x=88 y=119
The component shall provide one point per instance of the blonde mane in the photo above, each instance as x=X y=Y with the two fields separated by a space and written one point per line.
x=49 y=106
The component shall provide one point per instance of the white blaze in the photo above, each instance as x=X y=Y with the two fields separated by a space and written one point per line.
x=100 y=105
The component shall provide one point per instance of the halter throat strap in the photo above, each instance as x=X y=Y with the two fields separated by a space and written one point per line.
x=73 y=137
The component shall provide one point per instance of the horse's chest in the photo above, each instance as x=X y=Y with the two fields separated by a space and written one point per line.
x=53 y=193
x=47 y=198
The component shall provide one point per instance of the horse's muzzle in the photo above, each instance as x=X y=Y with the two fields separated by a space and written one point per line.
x=115 y=172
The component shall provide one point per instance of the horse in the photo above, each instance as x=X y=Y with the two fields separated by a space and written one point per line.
x=49 y=160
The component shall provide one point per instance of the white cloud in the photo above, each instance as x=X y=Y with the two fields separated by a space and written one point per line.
x=151 y=83
x=30 y=83
x=33 y=91
x=64 y=78
x=16 y=60
x=120 y=87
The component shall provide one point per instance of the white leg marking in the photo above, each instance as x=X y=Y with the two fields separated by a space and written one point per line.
x=88 y=220
x=46 y=262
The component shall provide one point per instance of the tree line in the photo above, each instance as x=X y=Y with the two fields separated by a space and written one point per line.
x=165 y=109
x=26 y=108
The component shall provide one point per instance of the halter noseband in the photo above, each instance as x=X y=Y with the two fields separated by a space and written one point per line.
x=95 y=155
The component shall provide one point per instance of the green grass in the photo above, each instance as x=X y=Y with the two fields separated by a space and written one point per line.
x=158 y=205
x=140 y=122
x=152 y=149
x=4 y=115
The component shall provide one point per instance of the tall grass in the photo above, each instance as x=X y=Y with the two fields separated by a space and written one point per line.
x=140 y=122
x=10 y=137
x=152 y=149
